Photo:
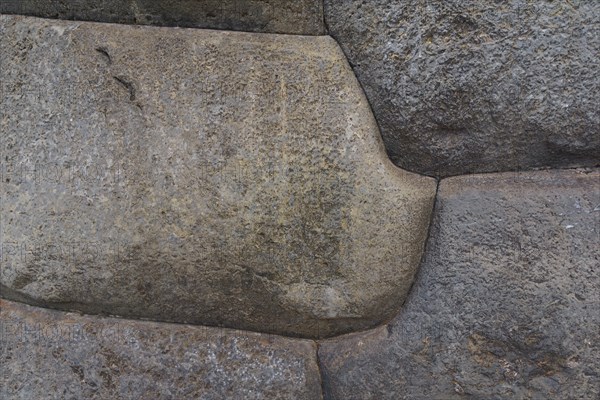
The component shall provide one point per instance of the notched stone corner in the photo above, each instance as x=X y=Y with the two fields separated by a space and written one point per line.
x=505 y=305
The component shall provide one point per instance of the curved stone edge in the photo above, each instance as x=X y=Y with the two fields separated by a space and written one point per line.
x=303 y=17
x=469 y=87
x=503 y=319
x=54 y=354
x=388 y=183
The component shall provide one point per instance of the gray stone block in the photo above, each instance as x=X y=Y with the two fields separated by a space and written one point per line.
x=48 y=354
x=477 y=86
x=506 y=304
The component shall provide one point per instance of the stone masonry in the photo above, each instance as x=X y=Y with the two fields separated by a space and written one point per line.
x=262 y=199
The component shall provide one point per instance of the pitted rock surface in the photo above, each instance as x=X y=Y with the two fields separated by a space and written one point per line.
x=217 y=178
x=505 y=306
x=477 y=86
x=304 y=17
x=47 y=354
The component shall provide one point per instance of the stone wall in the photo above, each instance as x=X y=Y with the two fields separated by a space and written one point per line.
x=194 y=213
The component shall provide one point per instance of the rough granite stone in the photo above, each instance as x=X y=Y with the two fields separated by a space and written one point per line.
x=47 y=354
x=505 y=306
x=463 y=86
x=207 y=177
x=304 y=17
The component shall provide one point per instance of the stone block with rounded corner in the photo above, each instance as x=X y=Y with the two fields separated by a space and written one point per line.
x=206 y=177
x=469 y=86
x=505 y=306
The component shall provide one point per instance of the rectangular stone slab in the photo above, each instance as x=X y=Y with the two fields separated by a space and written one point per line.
x=505 y=306
x=51 y=354
x=304 y=17
x=196 y=176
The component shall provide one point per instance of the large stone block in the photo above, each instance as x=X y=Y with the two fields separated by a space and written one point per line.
x=505 y=306
x=462 y=86
x=48 y=354
x=303 y=17
x=205 y=177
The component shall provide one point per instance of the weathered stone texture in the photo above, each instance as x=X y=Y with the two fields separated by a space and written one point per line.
x=506 y=305
x=304 y=17
x=462 y=86
x=48 y=354
x=206 y=177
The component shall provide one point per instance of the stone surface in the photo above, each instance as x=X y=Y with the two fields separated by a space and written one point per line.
x=51 y=354
x=505 y=306
x=477 y=86
x=206 y=177
x=304 y=17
